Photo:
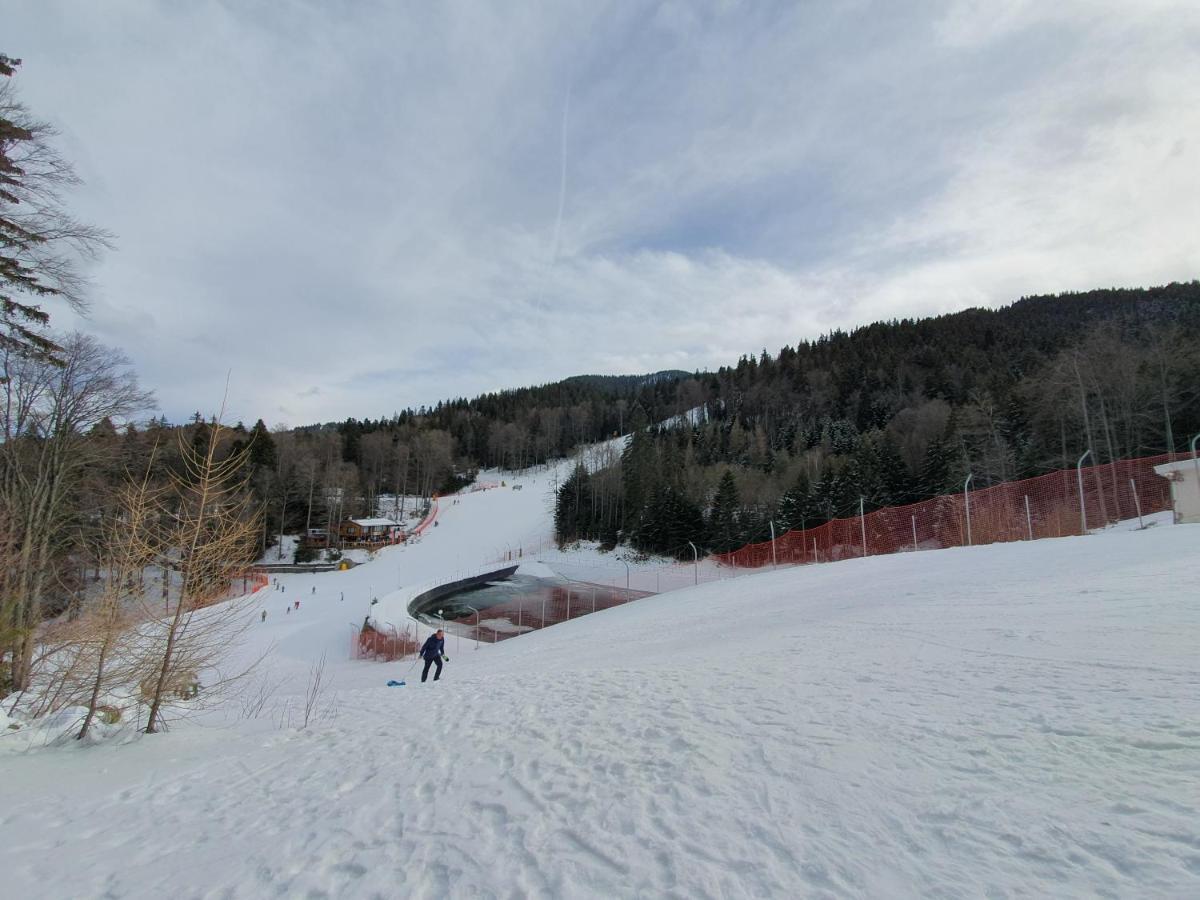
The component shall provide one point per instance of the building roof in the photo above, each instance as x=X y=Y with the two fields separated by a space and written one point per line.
x=1180 y=465
x=375 y=523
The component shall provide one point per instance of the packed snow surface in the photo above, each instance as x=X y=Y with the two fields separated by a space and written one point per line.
x=1002 y=721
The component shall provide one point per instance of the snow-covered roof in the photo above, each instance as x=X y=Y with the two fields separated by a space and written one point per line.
x=1180 y=465
x=375 y=523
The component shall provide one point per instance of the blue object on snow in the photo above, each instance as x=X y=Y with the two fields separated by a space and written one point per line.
x=394 y=683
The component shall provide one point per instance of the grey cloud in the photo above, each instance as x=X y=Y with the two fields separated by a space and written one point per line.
x=352 y=207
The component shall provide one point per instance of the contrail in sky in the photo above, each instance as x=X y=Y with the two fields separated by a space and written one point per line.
x=562 y=180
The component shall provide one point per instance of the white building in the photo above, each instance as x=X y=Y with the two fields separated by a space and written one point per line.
x=1184 y=476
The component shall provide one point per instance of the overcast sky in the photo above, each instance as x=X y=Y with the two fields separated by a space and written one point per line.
x=358 y=207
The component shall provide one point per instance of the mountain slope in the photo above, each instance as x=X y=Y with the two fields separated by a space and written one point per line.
x=1017 y=719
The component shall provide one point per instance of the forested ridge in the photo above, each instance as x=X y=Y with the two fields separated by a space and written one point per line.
x=899 y=411
x=891 y=412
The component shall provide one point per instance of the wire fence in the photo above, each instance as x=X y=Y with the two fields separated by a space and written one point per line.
x=520 y=614
x=384 y=643
x=241 y=584
x=1058 y=504
x=1066 y=502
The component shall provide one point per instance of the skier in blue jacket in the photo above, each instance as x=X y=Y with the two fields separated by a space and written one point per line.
x=433 y=652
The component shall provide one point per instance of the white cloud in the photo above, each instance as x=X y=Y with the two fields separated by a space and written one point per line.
x=354 y=209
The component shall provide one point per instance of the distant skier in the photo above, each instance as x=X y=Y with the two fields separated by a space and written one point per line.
x=314 y=590
x=433 y=652
x=264 y=615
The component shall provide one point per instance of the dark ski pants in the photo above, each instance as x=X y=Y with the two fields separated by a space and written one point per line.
x=428 y=663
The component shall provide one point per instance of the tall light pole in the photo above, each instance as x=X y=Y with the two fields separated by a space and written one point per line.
x=457 y=633
x=474 y=610
x=967 y=499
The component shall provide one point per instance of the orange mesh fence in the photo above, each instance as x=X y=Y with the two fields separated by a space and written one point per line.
x=242 y=583
x=515 y=616
x=1050 y=505
x=429 y=519
x=1047 y=506
x=384 y=643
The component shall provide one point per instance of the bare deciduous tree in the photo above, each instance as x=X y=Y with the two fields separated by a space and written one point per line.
x=46 y=410
x=210 y=537
x=128 y=549
x=315 y=691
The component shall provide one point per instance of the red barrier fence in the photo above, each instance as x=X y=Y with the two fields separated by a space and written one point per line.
x=242 y=583
x=1046 y=506
x=386 y=643
x=430 y=517
x=515 y=616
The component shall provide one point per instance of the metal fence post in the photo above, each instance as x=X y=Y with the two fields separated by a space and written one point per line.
x=593 y=599
x=967 y=498
x=1137 y=504
x=1028 y=518
x=1079 y=478
x=774 y=557
x=568 y=604
x=862 y=524
x=695 y=560
x=914 y=527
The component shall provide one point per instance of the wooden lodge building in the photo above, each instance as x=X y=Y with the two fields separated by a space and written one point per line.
x=370 y=533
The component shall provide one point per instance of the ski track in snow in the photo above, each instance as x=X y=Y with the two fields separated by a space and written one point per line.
x=1007 y=721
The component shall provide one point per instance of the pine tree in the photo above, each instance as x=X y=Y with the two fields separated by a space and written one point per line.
x=638 y=464
x=935 y=469
x=262 y=447
x=572 y=510
x=897 y=482
x=684 y=525
x=40 y=243
x=834 y=497
x=724 y=529
x=351 y=440
x=866 y=473
x=794 y=506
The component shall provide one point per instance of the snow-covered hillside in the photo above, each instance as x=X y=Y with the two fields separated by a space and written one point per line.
x=1011 y=720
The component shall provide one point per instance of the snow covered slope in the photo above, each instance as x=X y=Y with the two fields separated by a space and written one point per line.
x=1011 y=720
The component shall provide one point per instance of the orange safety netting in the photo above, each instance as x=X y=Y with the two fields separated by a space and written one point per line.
x=1046 y=506
x=386 y=643
x=240 y=584
x=430 y=517
x=534 y=609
